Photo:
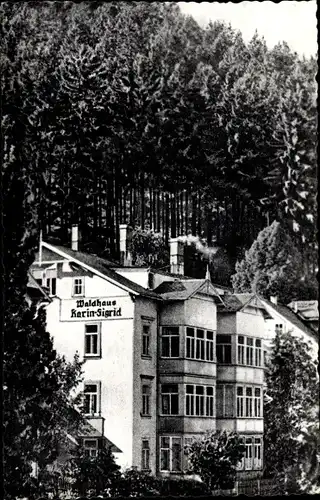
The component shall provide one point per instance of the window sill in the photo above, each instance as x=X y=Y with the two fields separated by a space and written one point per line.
x=146 y=356
x=145 y=416
x=89 y=415
x=91 y=356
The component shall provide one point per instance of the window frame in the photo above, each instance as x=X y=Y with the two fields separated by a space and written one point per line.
x=145 y=454
x=91 y=448
x=146 y=399
x=98 y=397
x=169 y=337
x=146 y=338
x=170 y=453
x=222 y=347
x=249 y=402
x=197 y=404
x=74 y=285
x=92 y=355
x=49 y=282
x=169 y=396
x=198 y=345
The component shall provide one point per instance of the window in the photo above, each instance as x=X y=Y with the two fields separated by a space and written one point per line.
x=257 y=402
x=240 y=405
x=257 y=455
x=145 y=458
x=248 y=453
x=170 y=454
x=252 y=458
x=199 y=400
x=92 y=340
x=169 y=399
x=146 y=340
x=224 y=397
x=51 y=284
x=146 y=391
x=240 y=465
x=253 y=402
x=279 y=328
x=258 y=353
x=209 y=346
x=90 y=447
x=91 y=398
x=199 y=344
x=249 y=351
x=248 y=402
x=241 y=356
x=78 y=286
x=170 y=342
x=209 y=401
x=224 y=349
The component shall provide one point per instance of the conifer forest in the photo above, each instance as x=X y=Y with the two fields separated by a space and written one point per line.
x=130 y=112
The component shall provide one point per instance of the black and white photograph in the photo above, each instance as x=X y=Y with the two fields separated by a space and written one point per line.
x=160 y=253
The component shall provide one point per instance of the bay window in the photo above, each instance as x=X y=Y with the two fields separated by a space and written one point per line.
x=199 y=344
x=249 y=402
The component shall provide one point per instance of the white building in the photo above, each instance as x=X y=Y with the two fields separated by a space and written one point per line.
x=166 y=357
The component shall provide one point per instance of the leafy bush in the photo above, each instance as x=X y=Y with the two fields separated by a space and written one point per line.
x=215 y=457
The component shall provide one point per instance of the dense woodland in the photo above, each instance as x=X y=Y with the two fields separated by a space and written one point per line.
x=128 y=112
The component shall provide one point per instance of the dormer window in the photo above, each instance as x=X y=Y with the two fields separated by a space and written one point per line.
x=78 y=287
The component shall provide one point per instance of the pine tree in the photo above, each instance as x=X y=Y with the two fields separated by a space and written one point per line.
x=36 y=381
x=272 y=266
x=290 y=410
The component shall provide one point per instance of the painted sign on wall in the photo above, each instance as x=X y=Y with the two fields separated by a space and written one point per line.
x=94 y=309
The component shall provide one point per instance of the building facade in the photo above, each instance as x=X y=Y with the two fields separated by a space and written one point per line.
x=166 y=357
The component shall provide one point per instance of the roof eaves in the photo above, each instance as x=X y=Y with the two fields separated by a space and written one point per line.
x=108 y=274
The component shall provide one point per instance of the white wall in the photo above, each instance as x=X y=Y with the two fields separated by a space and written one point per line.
x=114 y=369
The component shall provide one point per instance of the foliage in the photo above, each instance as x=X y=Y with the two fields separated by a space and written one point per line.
x=215 y=457
x=136 y=114
x=272 y=266
x=37 y=406
x=92 y=475
x=291 y=413
x=148 y=248
x=134 y=483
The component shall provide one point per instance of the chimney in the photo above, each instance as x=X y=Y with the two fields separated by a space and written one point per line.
x=75 y=237
x=125 y=239
x=176 y=256
x=274 y=299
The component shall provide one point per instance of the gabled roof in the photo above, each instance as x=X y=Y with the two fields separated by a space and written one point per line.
x=101 y=266
x=183 y=277
x=184 y=289
x=308 y=310
x=291 y=317
x=35 y=291
x=239 y=301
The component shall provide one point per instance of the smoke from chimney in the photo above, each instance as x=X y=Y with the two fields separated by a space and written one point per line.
x=209 y=252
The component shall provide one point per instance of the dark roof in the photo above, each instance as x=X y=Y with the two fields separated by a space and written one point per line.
x=183 y=277
x=231 y=304
x=181 y=289
x=102 y=266
x=291 y=317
